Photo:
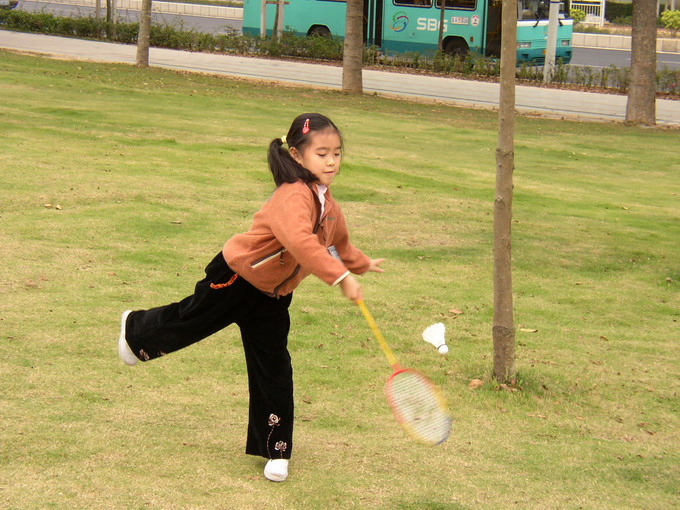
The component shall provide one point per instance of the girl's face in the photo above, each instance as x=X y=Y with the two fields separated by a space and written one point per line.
x=321 y=156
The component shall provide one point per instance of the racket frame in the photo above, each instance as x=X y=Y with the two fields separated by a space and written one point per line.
x=398 y=369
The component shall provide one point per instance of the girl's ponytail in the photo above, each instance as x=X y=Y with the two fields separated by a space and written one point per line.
x=282 y=165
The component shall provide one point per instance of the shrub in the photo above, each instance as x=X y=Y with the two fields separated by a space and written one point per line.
x=618 y=11
x=668 y=81
x=671 y=20
x=578 y=15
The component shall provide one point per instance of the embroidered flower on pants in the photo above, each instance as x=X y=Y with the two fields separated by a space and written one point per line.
x=280 y=446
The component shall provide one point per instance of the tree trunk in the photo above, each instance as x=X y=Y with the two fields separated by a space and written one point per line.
x=144 y=35
x=353 y=48
x=442 y=17
x=503 y=325
x=641 y=106
x=111 y=18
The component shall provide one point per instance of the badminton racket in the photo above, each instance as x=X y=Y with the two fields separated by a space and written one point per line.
x=417 y=403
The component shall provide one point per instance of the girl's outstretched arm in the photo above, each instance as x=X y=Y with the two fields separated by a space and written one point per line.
x=351 y=288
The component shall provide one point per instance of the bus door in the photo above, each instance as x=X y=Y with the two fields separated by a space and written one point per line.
x=373 y=22
x=493 y=29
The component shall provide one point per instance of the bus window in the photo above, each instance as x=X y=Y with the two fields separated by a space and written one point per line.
x=537 y=9
x=459 y=4
x=414 y=3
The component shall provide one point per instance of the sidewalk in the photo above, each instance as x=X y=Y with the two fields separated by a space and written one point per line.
x=529 y=100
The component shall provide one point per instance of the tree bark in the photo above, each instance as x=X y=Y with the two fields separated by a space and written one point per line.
x=503 y=327
x=353 y=50
x=143 y=39
x=442 y=17
x=111 y=17
x=641 y=106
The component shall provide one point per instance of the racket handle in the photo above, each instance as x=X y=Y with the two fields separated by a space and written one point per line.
x=391 y=358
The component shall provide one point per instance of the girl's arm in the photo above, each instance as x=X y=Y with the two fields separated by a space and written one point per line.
x=351 y=288
x=292 y=225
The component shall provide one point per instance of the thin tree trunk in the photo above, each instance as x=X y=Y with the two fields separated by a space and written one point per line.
x=353 y=48
x=503 y=325
x=144 y=35
x=442 y=17
x=111 y=18
x=641 y=106
x=278 y=20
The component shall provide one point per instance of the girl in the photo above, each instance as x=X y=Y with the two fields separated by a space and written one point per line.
x=299 y=231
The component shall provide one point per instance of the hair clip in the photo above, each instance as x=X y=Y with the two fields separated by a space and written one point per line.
x=283 y=139
x=305 y=128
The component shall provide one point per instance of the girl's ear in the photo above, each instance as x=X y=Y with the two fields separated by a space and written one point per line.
x=295 y=154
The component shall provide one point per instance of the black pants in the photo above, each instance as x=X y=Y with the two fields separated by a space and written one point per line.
x=220 y=299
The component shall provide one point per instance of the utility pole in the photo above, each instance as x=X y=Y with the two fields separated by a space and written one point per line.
x=551 y=47
x=263 y=20
x=278 y=25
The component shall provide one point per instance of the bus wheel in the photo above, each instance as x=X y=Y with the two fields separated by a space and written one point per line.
x=456 y=46
x=319 y=31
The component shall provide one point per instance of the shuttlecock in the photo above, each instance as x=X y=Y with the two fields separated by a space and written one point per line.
x=435 y=335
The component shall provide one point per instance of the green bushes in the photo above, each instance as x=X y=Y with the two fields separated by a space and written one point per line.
x=578 y=15
x=615 y=11
x=320 y=48
x=91 y=28
x=290 y=45
x=671 y=20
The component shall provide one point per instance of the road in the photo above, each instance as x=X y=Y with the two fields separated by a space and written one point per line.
x=198 y=23
x=589 y=57
x=595 y=57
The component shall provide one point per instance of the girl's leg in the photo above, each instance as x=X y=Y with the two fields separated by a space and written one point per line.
x=214 y=305
x=270 y=378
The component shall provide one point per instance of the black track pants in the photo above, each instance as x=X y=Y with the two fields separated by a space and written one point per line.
x=220 y=299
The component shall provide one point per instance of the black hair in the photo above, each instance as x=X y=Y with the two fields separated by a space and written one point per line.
x=282 y=165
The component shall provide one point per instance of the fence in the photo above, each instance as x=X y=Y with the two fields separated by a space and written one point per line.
x=594 y=11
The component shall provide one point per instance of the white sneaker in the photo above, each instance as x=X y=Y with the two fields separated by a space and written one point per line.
x=276 y=470
x=124 y=350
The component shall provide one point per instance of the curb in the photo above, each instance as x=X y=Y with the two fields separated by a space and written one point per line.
x=619 y=42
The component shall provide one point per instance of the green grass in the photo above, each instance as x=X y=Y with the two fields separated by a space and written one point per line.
x=153 y=170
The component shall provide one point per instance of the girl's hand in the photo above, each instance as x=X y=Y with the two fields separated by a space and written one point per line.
x=375 y=266
x=351 y=289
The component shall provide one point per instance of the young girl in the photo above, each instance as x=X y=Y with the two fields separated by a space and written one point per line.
x=299 y=231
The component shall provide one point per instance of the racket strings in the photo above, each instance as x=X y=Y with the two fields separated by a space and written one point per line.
x=419 y=407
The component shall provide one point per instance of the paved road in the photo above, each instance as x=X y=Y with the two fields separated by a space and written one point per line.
x=198 y=23
x=550 y=102
x=596 y=57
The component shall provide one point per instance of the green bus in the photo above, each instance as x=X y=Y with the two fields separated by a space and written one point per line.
x=398 y=26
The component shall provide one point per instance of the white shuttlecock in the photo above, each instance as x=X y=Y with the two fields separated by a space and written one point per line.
x=436 y=335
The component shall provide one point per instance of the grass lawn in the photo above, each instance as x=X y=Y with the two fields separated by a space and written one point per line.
x=119 y=185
